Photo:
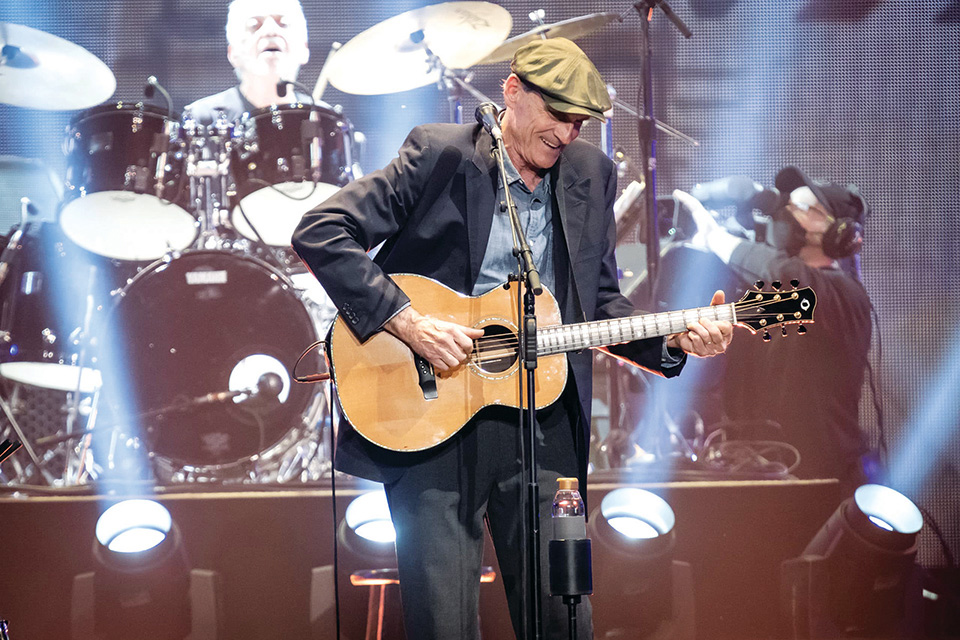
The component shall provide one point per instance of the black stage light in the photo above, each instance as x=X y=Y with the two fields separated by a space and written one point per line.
x=143 y=587
x=640 y=591
x=857 y=576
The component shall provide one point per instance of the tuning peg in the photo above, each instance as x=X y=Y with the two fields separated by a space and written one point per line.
x=794 y=283
x=758 y=284
x=766 y=336
x=783 y=331
x=801 y=330
x=776 y=285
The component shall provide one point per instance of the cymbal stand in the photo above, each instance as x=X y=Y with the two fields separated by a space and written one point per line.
x=453 y=81
x=661 y=126
x=646 y=129
x=5 y=407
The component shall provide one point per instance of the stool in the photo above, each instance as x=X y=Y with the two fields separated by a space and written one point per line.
x=377 y=580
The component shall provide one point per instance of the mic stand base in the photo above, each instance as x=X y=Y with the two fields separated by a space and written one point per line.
x=571 y=602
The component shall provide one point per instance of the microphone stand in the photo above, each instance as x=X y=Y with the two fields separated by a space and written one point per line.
x=646 y=130
x=530 y=278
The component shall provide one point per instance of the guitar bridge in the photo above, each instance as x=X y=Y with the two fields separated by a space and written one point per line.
x=425 y=377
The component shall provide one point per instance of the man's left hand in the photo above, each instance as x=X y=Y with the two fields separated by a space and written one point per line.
x=704 y=338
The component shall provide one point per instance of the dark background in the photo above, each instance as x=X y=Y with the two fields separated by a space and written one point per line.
x=863 y=91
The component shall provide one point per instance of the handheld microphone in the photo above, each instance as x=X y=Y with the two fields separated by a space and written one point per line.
x=486 y=115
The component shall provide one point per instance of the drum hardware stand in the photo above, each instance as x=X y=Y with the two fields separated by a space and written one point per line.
x=661 y=126
x=5 y=407
x=646 y=129
x=209 y=177
x=323 y=79
x=453 y=81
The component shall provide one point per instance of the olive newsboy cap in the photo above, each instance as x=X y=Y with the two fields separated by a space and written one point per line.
x=564 y=75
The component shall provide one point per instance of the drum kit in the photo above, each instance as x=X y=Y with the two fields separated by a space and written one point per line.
x=163 y=312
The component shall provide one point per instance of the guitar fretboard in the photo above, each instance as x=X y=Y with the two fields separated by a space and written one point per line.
x=600 y=333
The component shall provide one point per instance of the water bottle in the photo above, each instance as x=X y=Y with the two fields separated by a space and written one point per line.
x=571 y=572
x=569 y=516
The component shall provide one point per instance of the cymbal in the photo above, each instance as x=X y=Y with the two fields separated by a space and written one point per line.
x=571 y=29
x=39 y=70
x=391 y=56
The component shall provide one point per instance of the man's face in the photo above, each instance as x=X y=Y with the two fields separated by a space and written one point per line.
x=269 y=39
x=809 y=212
x=536 y=134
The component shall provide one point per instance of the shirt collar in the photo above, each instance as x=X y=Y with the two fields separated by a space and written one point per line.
x=513 y=176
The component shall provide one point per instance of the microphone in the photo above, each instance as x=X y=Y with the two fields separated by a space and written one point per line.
x=486 y=115
x=270 y=385
x=154 y=84
x=282 y=89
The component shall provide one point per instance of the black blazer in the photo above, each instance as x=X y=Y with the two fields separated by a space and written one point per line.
x=433 y=208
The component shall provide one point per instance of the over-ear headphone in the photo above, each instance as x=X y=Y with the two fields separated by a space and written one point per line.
x=844 y=237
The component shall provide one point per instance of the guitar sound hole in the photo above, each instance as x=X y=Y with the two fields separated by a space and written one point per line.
x=496 y=351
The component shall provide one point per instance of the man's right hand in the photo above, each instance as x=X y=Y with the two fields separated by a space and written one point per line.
x=445 y=345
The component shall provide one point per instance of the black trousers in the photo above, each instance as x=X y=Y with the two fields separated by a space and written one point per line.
x=439 y=506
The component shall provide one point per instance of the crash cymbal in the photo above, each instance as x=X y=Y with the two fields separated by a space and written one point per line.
x=42 y=71
x=571 y=29
x=391 y=56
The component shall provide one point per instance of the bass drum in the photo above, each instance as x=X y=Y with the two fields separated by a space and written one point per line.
x=201 y=366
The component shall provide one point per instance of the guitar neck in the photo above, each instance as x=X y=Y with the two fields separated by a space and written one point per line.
x=600 y=333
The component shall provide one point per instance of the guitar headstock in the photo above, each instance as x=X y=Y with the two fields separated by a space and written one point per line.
x=758 y=310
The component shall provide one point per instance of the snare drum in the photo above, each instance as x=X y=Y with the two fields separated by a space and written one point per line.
x=195 y=335
x=124 y=182
x=291 y=158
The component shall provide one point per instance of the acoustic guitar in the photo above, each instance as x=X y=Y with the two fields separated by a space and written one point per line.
x=394 y=398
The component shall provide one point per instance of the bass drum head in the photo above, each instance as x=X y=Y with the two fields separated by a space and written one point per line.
x=193 y=337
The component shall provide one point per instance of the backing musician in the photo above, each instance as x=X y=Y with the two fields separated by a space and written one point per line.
x=266 y=43
x=811 y=386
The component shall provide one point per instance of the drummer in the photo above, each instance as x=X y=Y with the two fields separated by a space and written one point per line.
x=266 y=43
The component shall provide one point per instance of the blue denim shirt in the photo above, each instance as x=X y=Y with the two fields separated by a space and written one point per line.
x=535 y=210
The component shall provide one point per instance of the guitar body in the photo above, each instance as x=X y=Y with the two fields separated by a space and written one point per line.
x=387 y=401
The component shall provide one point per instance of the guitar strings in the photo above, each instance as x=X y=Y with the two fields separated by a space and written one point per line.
x=489 y=348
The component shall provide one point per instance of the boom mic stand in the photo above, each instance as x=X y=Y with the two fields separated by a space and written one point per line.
x=646 y=129
x=527 y=351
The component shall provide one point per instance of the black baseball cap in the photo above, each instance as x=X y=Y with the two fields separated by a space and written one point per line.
x=841 y=201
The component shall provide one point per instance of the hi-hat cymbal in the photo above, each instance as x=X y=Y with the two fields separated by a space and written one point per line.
x=391 y=56
x=571 y=29
x=42 y=71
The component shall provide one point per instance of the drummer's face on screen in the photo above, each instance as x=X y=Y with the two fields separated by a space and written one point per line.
x=267 y=38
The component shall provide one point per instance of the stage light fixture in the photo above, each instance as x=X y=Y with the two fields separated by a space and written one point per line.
x=133 y=526
x=143 y=587
x=637 y=514
x=856 y=577
x=640 y=590
x=368 y=516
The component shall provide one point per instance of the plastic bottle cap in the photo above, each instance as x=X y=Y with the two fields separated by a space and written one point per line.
x=568 y=484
